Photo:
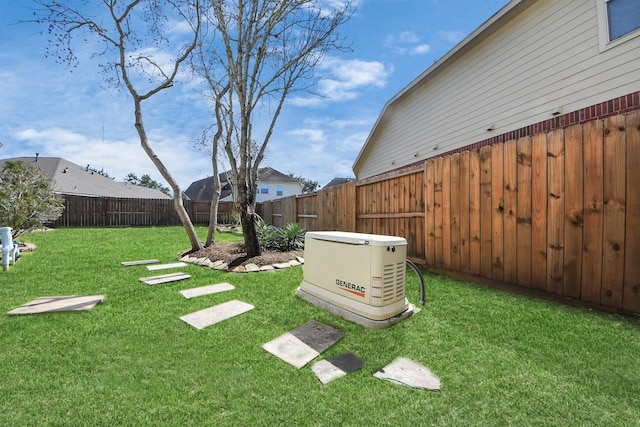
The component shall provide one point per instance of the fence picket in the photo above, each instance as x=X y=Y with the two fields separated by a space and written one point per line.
x=614 y=211
x=474 y=212
x=555 y=203
x=523 y=212
x=429 y=185
x=455 y=212
x=539 y=212
x=631 y=296
x=465 y=260
x=497 y=217
x=509 y=209
x=593 y=212
x=485 y=212
x=573 y=169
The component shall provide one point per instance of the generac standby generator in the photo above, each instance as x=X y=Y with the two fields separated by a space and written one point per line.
x=360 y=277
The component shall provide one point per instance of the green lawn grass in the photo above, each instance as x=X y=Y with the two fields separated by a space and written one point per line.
x=502 y=359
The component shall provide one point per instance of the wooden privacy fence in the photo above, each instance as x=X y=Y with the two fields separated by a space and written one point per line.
x=328 y=209
x=83 y=211
x=387 y=205
x=558 y=212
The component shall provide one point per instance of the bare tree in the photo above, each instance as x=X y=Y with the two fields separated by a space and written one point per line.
x=133 y=41
x=263 y=51
x=203 y=66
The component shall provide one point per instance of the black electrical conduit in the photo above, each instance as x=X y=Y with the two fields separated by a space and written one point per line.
x=419 y=273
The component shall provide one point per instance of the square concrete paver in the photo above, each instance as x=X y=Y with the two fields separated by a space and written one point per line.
x=212 y=315
x=206 y=290
x=407 y=372
x=60 y=303
x=166 y=266
x=335 y=367
x=140 y=262
x=165 y=278
x=304 y=343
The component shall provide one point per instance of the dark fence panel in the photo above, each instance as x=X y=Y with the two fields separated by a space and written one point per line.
x=83 y=211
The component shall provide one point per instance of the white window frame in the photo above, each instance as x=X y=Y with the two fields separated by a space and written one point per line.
x=264 y=187
x=280 y=190
x=603 y=28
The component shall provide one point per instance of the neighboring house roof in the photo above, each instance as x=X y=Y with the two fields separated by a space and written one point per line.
x=271 y=175
x=72 y=179
x=202 y=189
x=338 y=181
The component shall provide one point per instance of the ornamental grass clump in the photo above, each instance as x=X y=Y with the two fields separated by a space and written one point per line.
x=286 y=239
x=291 y=237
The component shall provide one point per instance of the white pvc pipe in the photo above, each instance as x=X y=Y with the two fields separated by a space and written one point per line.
x=7 y=246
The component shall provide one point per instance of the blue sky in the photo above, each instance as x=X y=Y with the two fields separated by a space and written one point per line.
x=48 y=110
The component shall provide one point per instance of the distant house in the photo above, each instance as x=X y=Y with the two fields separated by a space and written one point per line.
x=272 y=184
x=338 y=181
x=534 y=66
x=71 y=179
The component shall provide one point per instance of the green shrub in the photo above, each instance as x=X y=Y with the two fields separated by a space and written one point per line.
x=27 y=199
x=291 y=237
x=286 y=239
x=266 y=234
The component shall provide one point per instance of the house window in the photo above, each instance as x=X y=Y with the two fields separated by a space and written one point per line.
x=279 y=190
x=623 y=17
x=264 y=188
x=618 y=21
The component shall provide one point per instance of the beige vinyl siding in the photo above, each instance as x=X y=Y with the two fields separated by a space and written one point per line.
x=538 y=58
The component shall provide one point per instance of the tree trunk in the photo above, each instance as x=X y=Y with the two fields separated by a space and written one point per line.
x=177 y=193
x=213 y=212
x=251 y=242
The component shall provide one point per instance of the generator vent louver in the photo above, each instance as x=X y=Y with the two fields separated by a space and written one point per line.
x=393 y=282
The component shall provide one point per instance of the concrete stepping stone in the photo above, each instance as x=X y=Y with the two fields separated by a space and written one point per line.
x=59 y=303
x=304 y=343
x=407 y=372
x=206 y=290
x=165 y=278
x=212 y=315
x=166 y=266
x=141 y=262
x=335 y=367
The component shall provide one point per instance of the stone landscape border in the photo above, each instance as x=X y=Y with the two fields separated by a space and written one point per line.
x=249 y=268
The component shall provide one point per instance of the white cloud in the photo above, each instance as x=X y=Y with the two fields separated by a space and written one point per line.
x=406 y=42
x=119 y=157
x=320 y=148
x=421 y=49
x=311 y=135
x=181 y=27
x=343 y=80
x=452 y=37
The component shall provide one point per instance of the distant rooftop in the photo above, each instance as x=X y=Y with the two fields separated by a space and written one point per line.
x=70 y=178
x=338 y=181
x=203 y=188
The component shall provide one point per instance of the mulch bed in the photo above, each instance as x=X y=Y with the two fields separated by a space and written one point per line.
x=234 y=255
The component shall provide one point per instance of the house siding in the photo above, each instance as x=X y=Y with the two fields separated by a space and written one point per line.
x=288 y=189
x=536 y=58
